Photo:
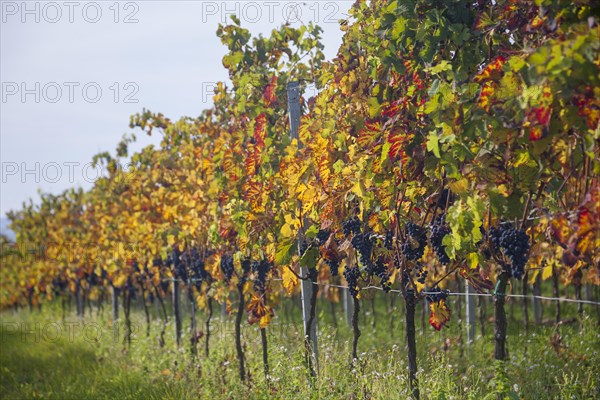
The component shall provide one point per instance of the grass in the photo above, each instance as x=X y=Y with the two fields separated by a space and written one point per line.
x=78 y=359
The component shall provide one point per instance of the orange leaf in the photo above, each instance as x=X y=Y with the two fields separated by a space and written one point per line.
x=485 y=97
x=440 y=314
x=492 y=71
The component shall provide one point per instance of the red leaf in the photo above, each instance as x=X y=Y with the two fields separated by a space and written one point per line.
x=492 y=71
x=260 y=131
x=269 y=93
x=369 y=135
x=536 y=133
x=398 y=140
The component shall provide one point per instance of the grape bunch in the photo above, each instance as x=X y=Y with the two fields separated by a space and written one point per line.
x=515 y=246
x=302 y=247
x=334 y=266
x=93 y=279
x=261 y=269
x=437 y=230
x=388 y=240
x=421 y=274
x=351 y=226
x=196 y=266
x=443 y=198
x=397 y=261
x=59 y=285
x=380 y=270
x=352 y=274
x=130 y=289
x=323 y=236
x=414 y=246
x=157 y=262
x=178 y=265
x=363 y=243
x=246 y=266
x=436 y=294
x=227 y=267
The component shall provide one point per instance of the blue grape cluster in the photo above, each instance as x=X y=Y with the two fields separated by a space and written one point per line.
x=334 y=266
x=380 y=270
x=351 y=226
x=59 y=285
x=352 y=274
x=514 y=243
x=196 y=266
x=261 y=269
x=323 y=236
x=302 y=247
x=363 y=243
x=227 y=267
x=436 y=294
x=175 y=261
x=421 y=274
x=388 y=240
x=416 y=239
x=437 y=230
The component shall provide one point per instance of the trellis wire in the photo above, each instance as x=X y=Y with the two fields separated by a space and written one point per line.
x=449 y=293
x=469 y=294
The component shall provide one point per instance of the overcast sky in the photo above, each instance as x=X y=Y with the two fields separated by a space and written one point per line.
x=73 y=72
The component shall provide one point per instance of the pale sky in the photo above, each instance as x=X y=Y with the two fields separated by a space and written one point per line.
x=72 y=73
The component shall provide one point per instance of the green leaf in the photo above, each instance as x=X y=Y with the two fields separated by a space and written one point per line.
x=433 y=144
x=311 y=232
x=310 y=257
x=284 y=253
x=440 y=67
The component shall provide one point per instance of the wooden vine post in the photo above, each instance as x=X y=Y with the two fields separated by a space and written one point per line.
x=115 y=312
x=348 y=306
x=470 y=313
x=78 y=299
x=308 y=287
x=411 y=302
x=500 y=317
x=177 y=311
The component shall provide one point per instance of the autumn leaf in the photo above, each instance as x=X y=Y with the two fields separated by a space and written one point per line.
x=269 y=94
x=252 y=160
x=486 y=96
x=290 y=280
x=259 y=312
x=260 y=131
x=398 y=140
x=368 y=136
x=440 y=314
x=477 y=281
x=492 y=71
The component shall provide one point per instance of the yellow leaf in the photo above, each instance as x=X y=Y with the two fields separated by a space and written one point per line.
x=120 y=281
x=170 y=240
x=459 y=187
x=290 y=281
x=546 y=272
x=265 y=320
x=473 y=260
x=286 y=231
x=201 y=301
